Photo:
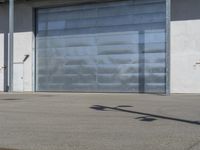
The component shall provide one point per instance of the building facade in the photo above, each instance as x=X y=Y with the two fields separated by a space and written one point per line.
x=136 y=46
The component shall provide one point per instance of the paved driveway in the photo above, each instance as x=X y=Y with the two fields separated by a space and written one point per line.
x=99 y=122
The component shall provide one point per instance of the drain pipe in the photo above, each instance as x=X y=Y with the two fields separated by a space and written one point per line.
x=10 y=45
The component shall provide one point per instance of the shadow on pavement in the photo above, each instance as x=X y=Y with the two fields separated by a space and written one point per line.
x=147 y=117
x=7 y=149
x=10 y=99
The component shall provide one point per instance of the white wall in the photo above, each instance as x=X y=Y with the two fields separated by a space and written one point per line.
x=23 y=46
x=185 y=46
x=23 y=41
x=3 y=38
x=1 y=61
x=185 y=54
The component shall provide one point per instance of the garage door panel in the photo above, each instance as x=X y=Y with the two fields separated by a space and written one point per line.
x=66 y=41
x=139 y=2
x=154 y=48
x=131 y=9
x=80 y=60
x=124 y=28
x=105 y=22
x=154 y=68
x=154 y=58
x=118 y=49
x=118 y=78
x=155 y=78
x=118 y=59
x=117 y=38
x=107 y=29
x=154 y=88
x=118 y=87
x=110 y=69
x=103 y=11
x=102 y=47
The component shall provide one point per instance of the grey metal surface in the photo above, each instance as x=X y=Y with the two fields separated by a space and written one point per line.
x=10 y=45
x=106 y=47
x=168 y=58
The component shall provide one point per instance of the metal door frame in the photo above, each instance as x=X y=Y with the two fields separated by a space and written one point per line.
x=168 y=47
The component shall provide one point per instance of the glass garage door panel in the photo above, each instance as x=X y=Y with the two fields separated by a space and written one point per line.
x=104 y=47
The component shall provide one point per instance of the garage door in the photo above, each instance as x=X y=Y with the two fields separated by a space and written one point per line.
x=102 y=47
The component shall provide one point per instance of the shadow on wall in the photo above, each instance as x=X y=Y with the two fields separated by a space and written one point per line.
x=185 y=10
x=146 y=117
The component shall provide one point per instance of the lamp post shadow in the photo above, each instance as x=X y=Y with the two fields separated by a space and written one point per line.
x=147 y=117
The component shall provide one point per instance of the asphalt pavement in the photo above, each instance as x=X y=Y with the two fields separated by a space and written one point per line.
x=58 y=121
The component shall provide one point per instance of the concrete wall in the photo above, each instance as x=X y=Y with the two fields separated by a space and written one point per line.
x=1 y=61
x=23 y=43
x=3 y=46
x=185 y=46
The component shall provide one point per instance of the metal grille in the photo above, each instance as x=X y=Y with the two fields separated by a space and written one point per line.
x=105 y=47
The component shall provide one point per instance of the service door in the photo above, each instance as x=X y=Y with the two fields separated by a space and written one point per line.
x=18 y=75
x=102 y=47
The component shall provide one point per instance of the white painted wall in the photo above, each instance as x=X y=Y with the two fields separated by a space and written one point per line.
x=23 y=46
x=185 y=54
x=3 y=36
x=23 y=41
x=185 y=46
x=1 y=61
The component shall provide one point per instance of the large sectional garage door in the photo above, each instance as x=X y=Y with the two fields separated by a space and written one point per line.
x=102 y=47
